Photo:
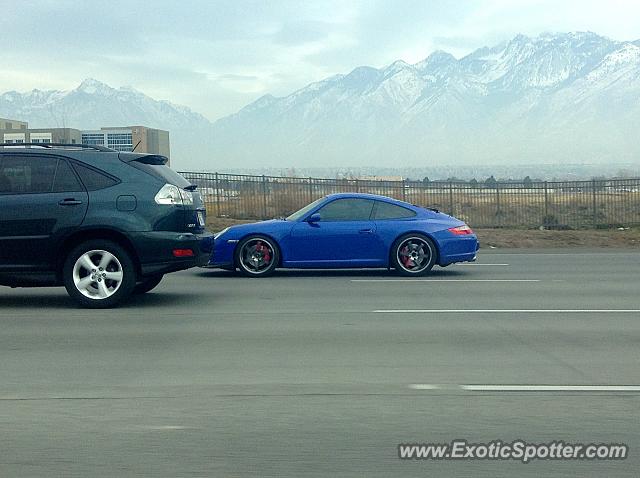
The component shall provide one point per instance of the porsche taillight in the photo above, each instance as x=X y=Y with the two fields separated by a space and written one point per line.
x=463 y=230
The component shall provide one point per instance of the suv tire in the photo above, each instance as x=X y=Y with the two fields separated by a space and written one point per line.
x=99 y=274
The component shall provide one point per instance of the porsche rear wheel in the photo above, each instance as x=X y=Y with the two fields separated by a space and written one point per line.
x=413 y=255
x=257 y=256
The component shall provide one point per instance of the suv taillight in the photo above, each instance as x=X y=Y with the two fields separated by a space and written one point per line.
x=461 y=230
x=173 y=195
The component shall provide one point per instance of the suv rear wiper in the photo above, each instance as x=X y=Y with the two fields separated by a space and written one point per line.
x=191 y=187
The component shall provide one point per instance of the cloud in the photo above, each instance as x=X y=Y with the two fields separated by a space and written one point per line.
x=216 y=56
x=297 y=33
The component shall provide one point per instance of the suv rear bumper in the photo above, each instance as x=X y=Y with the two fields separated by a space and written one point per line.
x=155 y=250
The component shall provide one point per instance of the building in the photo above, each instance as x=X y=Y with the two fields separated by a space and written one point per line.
x=143 y=139
x=43 y=135
x=381 y=178
x=9 y=124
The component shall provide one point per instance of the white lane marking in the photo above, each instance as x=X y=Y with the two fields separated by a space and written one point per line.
x=551 y=388
x=609 y=253
x=425 y=386
x=446 y=280
x=479 y=264
x=528 y=388
x=167 y=427
x=506 y=311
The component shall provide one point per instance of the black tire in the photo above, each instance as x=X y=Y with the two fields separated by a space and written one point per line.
x=254 y=261
x=89 y=296
x=413 y=255
x=147 y=284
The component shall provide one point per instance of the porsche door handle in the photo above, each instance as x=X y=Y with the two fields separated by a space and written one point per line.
x=70 y=202
x=366 y=231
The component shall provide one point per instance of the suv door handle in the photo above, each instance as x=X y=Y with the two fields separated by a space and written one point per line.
x=366 y=231
x=70 y=202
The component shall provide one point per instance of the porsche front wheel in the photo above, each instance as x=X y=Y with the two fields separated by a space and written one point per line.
x=257 y=256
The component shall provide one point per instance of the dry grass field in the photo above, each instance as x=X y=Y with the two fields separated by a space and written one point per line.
x=559 y=206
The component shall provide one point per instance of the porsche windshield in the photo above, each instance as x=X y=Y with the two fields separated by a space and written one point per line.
x=296 y=216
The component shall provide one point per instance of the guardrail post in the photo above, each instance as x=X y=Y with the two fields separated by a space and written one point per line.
x=217 y=186
x=357 y=185
x=546 y=203
x=310 y=189
x=451 y=198
x=404 y=190
x=498 y=212
x=595 y=212
x=264 y=197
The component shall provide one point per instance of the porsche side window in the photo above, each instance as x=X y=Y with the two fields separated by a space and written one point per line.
x=347 y=210
x=385 y=210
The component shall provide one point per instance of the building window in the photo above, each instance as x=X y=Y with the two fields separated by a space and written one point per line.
x=93 y=139
x=120 y=141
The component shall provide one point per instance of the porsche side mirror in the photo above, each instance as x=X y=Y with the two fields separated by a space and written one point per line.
x=315 y=217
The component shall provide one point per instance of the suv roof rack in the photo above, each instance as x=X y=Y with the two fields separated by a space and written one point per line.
x=95 y=147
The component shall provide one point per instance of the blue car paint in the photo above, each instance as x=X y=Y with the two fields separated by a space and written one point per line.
x=344 y=244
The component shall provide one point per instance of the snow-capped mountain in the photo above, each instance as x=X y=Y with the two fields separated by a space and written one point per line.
x=94 y=104
x=551 y=99
x=570 y=97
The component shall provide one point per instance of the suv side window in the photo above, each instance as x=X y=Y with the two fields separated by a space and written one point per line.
x=385 y=210
x=66 y=180
x=93 y=179
x=350 y=209
x=22 y=174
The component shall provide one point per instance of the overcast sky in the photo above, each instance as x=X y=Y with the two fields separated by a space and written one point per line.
x=217 y=56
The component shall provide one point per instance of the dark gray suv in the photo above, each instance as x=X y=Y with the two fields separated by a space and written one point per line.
x=105 y=224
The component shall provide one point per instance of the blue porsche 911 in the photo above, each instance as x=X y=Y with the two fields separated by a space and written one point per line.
x=348 y=230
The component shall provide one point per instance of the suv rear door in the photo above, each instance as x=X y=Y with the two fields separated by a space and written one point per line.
x=41 y=199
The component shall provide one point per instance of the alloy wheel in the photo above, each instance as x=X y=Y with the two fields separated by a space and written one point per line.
x=257 y=256
x=414 y=254
x=97 y=274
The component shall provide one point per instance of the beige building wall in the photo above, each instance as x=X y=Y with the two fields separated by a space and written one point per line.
x=41 y=135
x=10 y=124
x=155 y=141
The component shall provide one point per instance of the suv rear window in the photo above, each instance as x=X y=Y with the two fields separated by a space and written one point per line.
x=25 y=174
x=66 y=180
x=93 y=179
x=162 y=172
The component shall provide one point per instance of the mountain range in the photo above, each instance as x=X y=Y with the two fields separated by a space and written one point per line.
x=94 y=104
x=555 y=98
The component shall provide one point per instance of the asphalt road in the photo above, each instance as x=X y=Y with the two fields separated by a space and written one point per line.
x=325 y=373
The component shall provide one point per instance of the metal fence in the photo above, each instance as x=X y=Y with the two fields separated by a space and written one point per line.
x=552 y=204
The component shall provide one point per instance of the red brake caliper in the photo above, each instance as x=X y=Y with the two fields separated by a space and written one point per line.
x=406 y=260
x=260 y=247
